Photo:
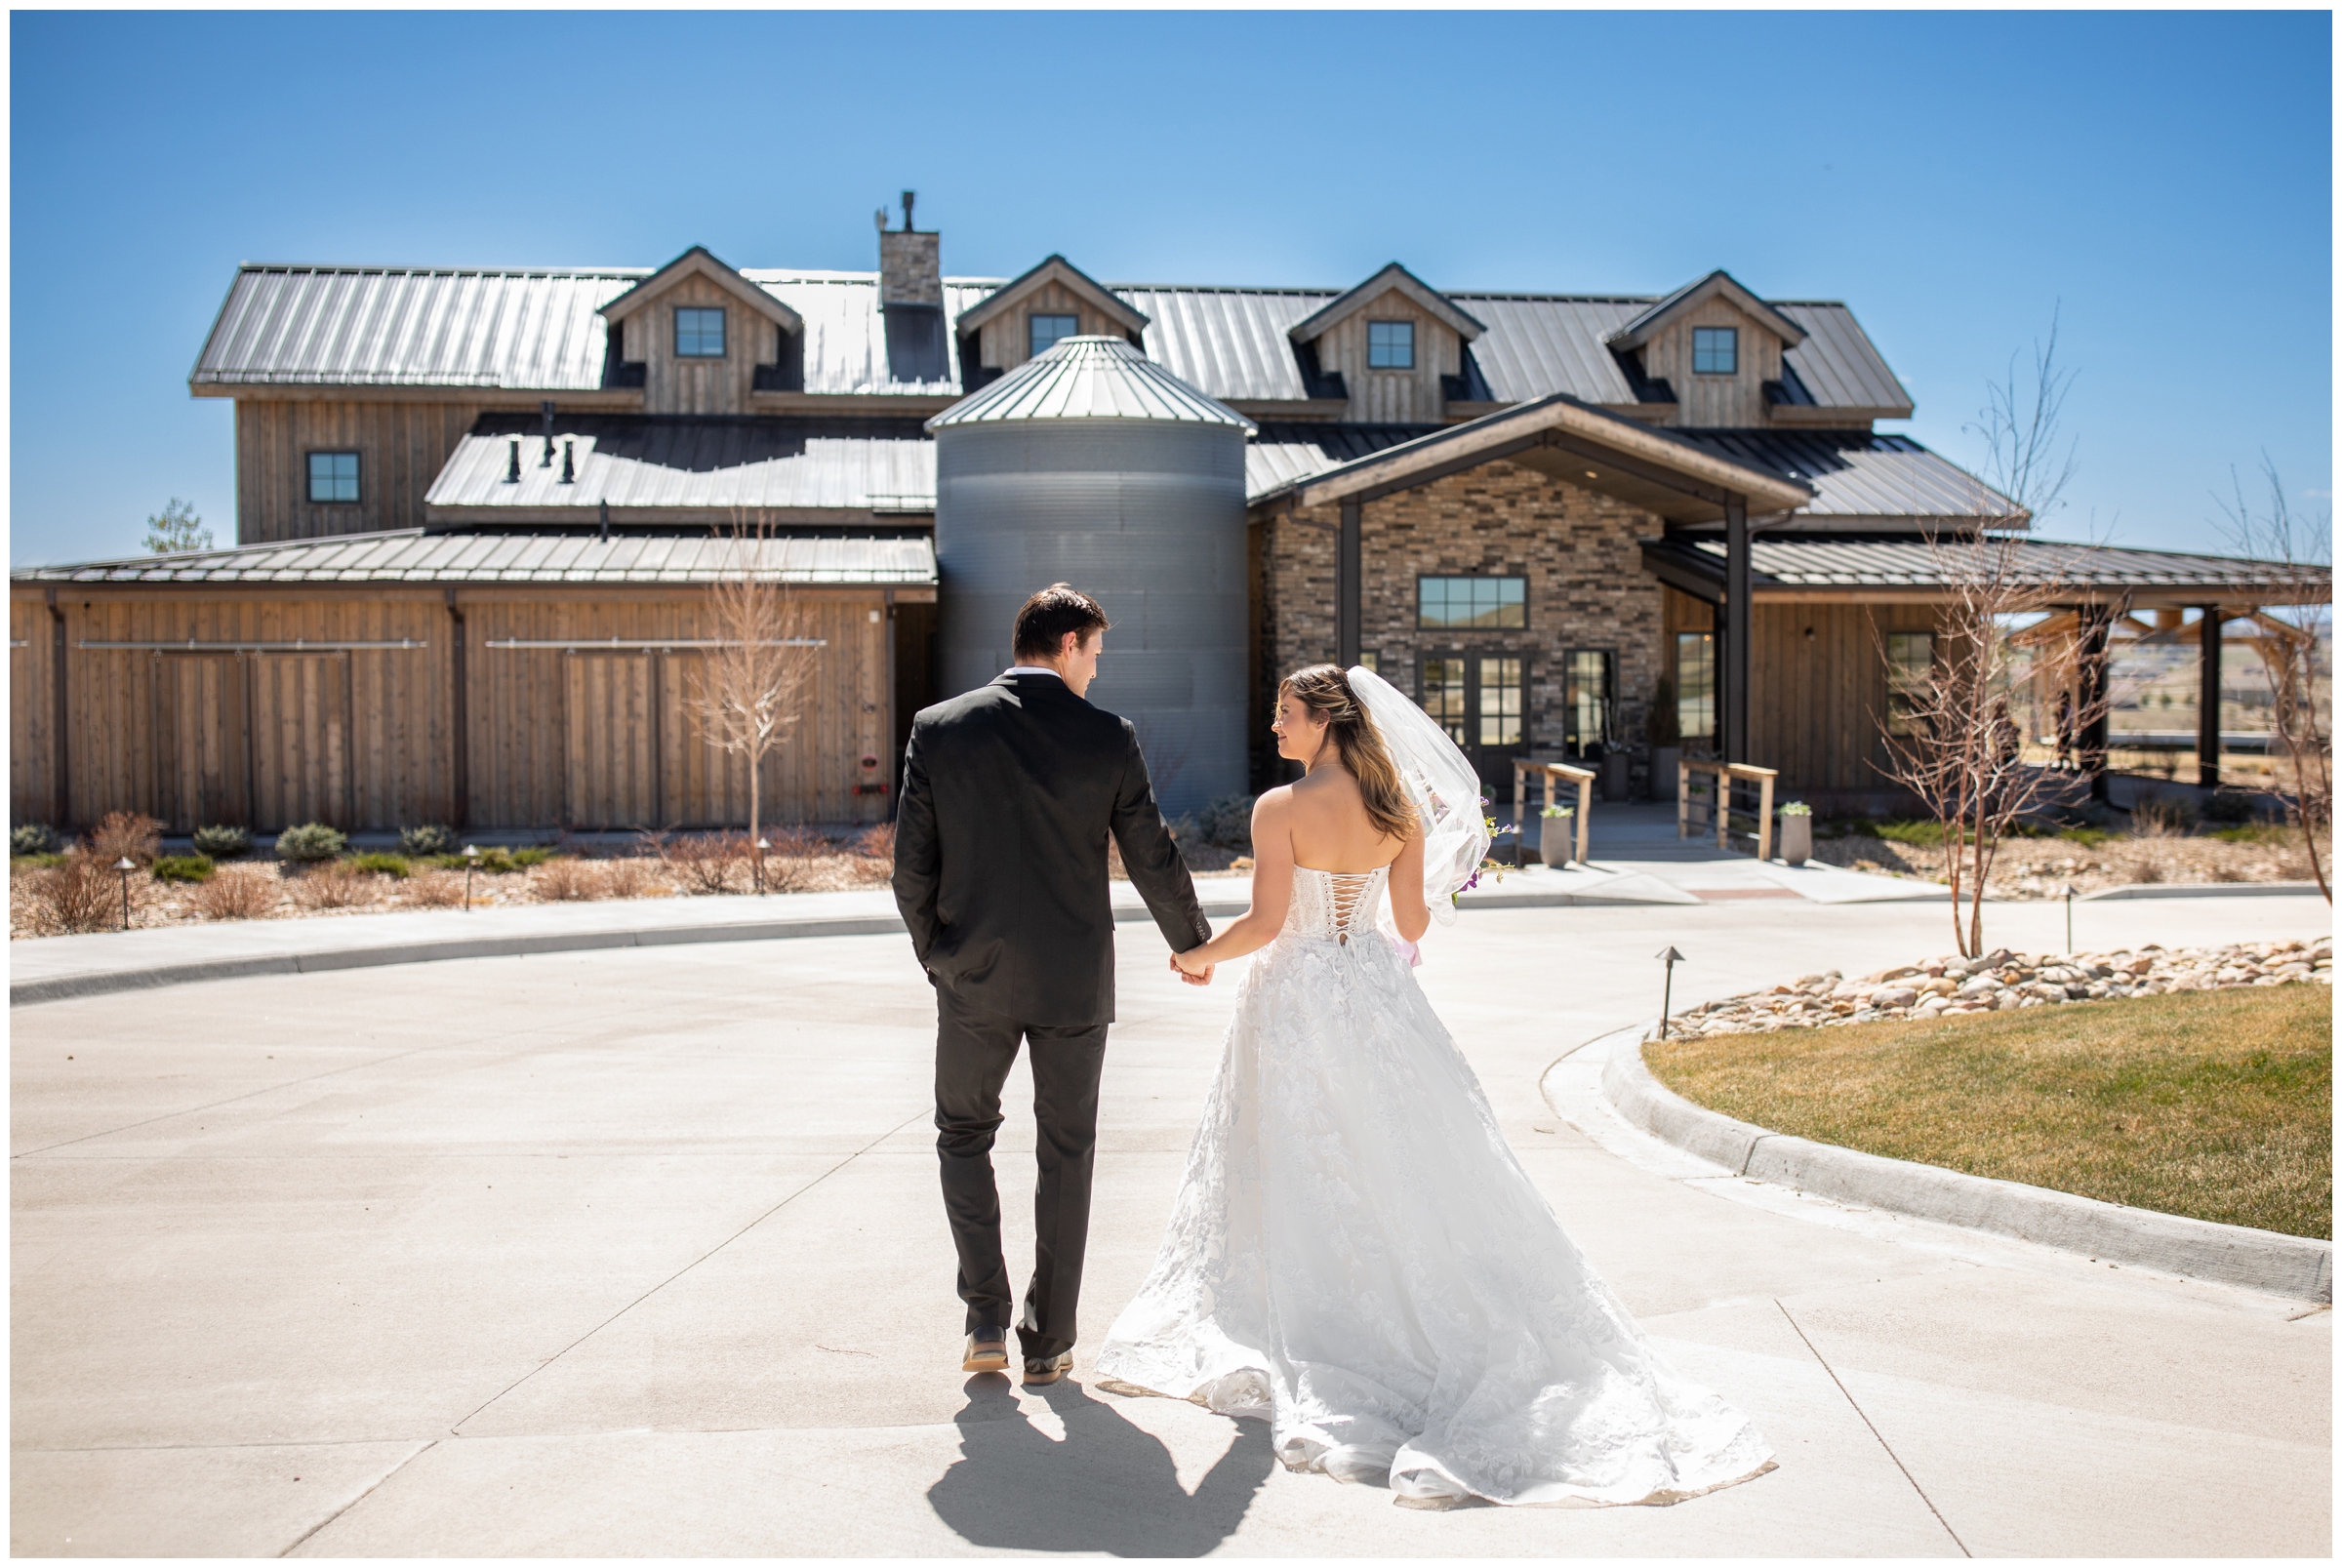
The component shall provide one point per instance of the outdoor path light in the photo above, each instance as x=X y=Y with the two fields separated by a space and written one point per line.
x=2065 y=892
x=472 y=859
x=761 y=847
x=126 y=866
x=1667 y=990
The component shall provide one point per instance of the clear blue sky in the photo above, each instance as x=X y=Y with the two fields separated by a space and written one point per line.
x=2167 y=177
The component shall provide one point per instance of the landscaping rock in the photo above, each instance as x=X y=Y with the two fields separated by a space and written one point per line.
x=2003 y=981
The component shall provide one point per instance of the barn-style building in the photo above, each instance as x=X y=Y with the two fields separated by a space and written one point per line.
x=476 y=519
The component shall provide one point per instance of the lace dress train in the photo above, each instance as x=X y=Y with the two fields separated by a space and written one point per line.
x=1358 y=1256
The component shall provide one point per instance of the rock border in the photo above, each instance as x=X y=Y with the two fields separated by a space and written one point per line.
x=2296 y=1266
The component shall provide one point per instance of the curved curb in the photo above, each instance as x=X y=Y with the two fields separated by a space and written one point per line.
x=2295 y=1267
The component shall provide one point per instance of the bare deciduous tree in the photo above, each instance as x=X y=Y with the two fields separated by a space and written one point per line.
x=751 y=686
x=2291 y=653
x=1950 y=737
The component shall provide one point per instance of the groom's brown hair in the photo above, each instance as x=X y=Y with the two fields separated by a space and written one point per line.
x=1046 y=618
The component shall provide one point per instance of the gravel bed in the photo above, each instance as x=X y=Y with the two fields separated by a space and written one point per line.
x=2003 y=981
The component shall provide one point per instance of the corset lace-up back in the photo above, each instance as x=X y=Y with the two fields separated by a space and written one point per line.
x=1334 y=905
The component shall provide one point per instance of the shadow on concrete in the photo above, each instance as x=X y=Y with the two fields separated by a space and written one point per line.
x=1108 y=1487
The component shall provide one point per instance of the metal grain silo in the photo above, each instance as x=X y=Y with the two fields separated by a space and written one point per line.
x=1092 y=465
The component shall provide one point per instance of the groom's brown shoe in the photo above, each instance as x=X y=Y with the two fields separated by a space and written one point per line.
x=1046 y=1369
x=986 y=1350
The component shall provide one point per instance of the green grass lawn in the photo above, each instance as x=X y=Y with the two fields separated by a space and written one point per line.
x=2214 y=1104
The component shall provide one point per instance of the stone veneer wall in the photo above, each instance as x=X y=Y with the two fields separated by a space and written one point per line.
x=1587 y=587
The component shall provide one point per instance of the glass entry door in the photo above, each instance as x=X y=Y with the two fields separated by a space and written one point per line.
x=1479 y=699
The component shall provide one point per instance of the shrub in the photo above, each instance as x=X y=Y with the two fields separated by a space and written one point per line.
x=436 y=890
x=334 y=885
x=126 y=835
x=310 y=841
x=707 y=862
x=223 y=843
x=238 y=892
x=1796 y=808
x=31 y=838
x=17 y=865
x=381 y=864
x=2254 y=833
x=421 y=843
x=1925 y=835
x=2086 y=837
x=627 y=878
x=523 y=858
x=80 y=893
x=876 y=843
x=2161 y=816
x=568 y=880
x=1227 y=823
x=181 y=868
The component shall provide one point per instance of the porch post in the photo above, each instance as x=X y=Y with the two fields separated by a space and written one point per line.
x=1346 y=593
x=2207 y=696
x=2095 y=620
x=459 y=737
x=1737 y=629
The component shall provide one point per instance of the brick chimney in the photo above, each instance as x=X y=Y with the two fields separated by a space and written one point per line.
x=911 y=264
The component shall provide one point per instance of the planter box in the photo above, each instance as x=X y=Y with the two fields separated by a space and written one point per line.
x=1556 y=840
x=1664 y=759
x=1793 y=838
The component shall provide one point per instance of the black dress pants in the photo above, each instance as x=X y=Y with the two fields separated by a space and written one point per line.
x=973 y=1050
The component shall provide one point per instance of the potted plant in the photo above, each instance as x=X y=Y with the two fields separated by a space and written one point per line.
x=1557 y=834
x=1665 y=739
x=1795 y=842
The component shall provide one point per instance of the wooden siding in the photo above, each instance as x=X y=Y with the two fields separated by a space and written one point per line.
x=1393 y=396
x=401 y=448
x=1715 y=402
x=1818 y=706
x=364 y=739
x=1006 y=340
x=673 y=385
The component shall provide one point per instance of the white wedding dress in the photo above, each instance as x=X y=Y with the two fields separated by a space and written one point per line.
x=1358 y=1256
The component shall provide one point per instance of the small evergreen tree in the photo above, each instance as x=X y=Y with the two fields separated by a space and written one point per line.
x=177 y=527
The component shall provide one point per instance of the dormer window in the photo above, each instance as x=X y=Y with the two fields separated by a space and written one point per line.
x=1390 y=345
x=333 y=476
x=699 y=332
x=1716 y=350
x=1045 y=330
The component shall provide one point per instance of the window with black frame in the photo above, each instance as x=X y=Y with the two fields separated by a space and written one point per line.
x=1043 y=332
x=1390 y=346
x=1472 y=603
x=1586 y=698
x=1499 y=706
x=1695 y=686
x=699 y=332
x=333 y=476
x=1716 y=350
x=1909 y=672
x=1445 y=697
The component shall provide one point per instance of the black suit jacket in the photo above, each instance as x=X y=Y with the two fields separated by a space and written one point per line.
x=1008 y=794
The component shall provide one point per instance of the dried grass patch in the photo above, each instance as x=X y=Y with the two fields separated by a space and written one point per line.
x=335 y=885
x=2213 y=1105
x=238 y=892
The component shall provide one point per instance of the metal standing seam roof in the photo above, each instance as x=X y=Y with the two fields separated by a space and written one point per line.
x=414 y=555
x=1861 y=474
x=1089 y=378
x=540 y=330
x=1812 y=563
x=647 y=462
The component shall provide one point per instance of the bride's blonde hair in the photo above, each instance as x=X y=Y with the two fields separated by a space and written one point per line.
x=1324 y=690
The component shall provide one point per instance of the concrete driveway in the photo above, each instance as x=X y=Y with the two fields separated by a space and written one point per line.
x=639 y=1252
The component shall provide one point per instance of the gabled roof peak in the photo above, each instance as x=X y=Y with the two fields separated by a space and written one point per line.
x=1392 y=278
x=1055 y=268
x=700 y=262
x=1718 y=283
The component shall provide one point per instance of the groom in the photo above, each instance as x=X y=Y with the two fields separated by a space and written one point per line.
x=1008 y=794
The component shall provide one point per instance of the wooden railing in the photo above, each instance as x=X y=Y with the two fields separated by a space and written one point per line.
x=1716 y=806
x=1549 y=773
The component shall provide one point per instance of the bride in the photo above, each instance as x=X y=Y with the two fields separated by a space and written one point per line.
x=1356 y=1253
